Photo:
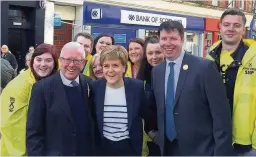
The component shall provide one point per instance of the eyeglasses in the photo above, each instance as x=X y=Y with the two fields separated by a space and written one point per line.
x=68 y=61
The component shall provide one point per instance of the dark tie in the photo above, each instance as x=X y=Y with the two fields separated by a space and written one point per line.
x=74 y=83
x=169 y=121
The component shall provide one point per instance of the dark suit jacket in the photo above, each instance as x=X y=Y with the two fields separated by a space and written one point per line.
x=201 y=113
x=12 y=60
x=50 y=125
x=136 y=109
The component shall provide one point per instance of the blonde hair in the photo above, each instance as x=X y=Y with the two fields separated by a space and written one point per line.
x=114 y=52
x=96 y=56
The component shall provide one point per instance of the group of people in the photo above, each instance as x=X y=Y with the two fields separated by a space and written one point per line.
x=9 y=65
x=152 y=98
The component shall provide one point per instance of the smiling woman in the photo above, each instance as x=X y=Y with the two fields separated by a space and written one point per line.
x=119 y=108
x=15 y=99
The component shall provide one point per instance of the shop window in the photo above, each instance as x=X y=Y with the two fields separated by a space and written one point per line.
x=59 y=37
x=191 y=44
x=151 y=33
x=219 y=37
x=20 y=14
x=242 y=4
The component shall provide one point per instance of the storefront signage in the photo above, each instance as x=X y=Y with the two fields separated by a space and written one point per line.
x=120 y=38
x=140 y=18
x=57 y=20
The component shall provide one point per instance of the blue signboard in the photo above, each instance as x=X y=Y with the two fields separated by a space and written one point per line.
x=94 y=35
x=57 y=20
x=120 y=38
x=111 y=15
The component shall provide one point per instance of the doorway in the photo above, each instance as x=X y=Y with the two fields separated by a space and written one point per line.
x=18 y=45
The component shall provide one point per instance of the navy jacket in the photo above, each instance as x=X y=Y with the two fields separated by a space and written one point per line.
x=137 y=108
x=201 y=110
x=51 y=129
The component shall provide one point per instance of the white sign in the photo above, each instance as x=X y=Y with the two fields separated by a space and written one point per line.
x=140 y=18
x=96 y=13
x=17 y=23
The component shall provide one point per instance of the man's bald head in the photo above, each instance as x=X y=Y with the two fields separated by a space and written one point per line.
x=4 y=49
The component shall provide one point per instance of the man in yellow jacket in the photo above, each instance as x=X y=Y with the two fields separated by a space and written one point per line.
x=236 y=60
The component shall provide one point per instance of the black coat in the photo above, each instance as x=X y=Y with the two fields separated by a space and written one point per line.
x=51 y=129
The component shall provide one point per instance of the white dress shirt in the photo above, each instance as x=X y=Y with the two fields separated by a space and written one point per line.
x=66 y=81
x=177 y=66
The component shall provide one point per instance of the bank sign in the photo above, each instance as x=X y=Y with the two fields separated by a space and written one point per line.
x=140 y=18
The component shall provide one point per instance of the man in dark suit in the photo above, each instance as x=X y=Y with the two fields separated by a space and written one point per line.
x=6 y=54
x=59 y=115
x=193 y=113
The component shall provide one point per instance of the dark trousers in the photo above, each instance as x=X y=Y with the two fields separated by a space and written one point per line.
x=171 y=148
x=117 y=148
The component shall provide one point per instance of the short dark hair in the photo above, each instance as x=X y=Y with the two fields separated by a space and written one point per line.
x=150 y=40
x=234 y=11
x=171 y=26
x=85 y=35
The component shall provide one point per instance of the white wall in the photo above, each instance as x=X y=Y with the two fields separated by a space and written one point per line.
x=48 y=23
x=69 y=2
x=163 y=6
x=78 y=27
x=66 y=12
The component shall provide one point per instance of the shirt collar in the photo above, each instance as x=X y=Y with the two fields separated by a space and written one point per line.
x=66 y=81
x=176 y=61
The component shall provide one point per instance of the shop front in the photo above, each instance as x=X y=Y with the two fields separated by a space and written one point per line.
x=125 y=23
x=212 y=33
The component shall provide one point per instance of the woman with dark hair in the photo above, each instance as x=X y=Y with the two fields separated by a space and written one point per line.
x=101 y=41
x=152 y=57
x=15 y=99
x=135 y=50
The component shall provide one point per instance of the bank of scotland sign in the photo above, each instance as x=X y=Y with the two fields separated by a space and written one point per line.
x=140 y=18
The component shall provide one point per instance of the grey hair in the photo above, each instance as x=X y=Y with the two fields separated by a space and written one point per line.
x=29 y=56
x=74 y=45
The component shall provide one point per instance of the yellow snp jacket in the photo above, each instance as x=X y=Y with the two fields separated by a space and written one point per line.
x=14 y=106
x=244 y=107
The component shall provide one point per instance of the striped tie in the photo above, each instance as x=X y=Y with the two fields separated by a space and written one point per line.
x=74 y=83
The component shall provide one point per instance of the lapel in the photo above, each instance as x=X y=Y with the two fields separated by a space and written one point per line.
x=61 y=97
x=162 y=83
x=84 y=85
x=182 y=77
x=100 y=98
x=129 y=100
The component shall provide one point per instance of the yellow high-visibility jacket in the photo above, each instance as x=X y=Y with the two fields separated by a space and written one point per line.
x=14 y=106
x=244 y=107
x=129 y=70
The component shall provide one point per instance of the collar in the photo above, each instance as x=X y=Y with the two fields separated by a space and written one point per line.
x=177 y=60
x=66 y=81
